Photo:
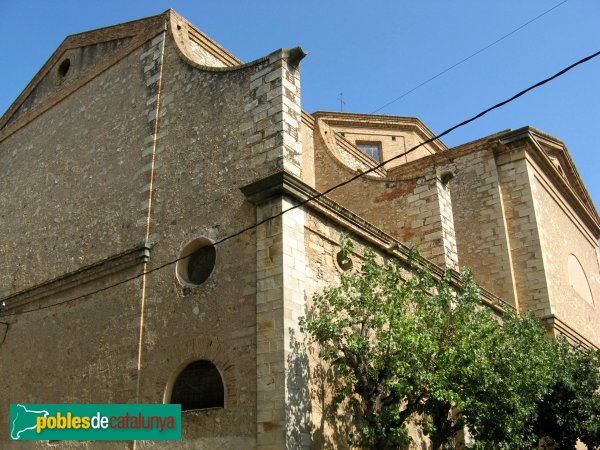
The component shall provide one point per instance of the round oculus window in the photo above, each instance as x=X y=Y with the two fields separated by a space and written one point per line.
x=344 y=263
x=197 y=262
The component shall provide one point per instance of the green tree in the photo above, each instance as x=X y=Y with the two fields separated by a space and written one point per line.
x=408 y=345
x=513 y=377
x=571 y=408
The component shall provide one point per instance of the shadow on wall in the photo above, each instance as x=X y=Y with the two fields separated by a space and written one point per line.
x=310 y=383
x=298 y=395
x=3 y=331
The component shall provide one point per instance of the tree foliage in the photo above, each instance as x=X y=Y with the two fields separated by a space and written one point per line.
x=408 y=345
x=570 y=410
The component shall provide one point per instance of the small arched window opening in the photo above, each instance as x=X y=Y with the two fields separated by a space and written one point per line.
x=64 y=68
x=199 y=386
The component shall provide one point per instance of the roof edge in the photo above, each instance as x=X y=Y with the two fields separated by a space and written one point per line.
x=144 y=29
x=582 y=199
x=382 y=121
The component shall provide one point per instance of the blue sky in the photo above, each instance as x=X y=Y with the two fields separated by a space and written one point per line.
x=373 y=52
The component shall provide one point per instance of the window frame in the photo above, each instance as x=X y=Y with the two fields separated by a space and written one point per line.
x=168 y=396
x=185 y=256
x=371 y=143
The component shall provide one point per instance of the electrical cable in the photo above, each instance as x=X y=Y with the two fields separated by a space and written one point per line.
x=321 y=194
x=468 y=57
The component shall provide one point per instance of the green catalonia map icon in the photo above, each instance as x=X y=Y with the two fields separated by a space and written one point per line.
x=23 y=422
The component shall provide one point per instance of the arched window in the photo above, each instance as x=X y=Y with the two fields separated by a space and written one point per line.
x=578 y=280
x=199 y=386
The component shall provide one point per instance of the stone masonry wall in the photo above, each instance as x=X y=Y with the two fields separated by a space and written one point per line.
x=562 y=234
x=308 y=154
x=281 y=406
x=414 y=208
x=72 y=197
x=220 y=129
x=446 y=218
x=146 y=153
x=68 y=173
x=190 y=157
x=322 y=237
x=81 y=59
x=273 y=128
x=525 y=248
x=480 y=222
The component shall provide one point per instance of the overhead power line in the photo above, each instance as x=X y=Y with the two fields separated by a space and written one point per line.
x=321 y=194
x=447 y=69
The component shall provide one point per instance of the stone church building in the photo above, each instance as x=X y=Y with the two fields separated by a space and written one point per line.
x=145 y=143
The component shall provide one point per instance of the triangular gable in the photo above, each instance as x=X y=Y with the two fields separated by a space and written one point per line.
x=558 y=154
x=80 y=58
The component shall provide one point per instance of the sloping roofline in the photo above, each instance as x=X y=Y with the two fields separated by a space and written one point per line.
x=139 y=31
x=142 y=30
x=380 y=121
x=573 y=185
x=569 y=184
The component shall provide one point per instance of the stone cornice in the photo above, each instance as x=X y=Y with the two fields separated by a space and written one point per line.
x=333 y=142
x=550 y=144
x=446 y=158
x=356 y=120
x=308 y=120
x=555 y=324
x=586 y=211
x=140 y=31
x=76 y=279
x=184 y=33
x=151 y=29
x=283 y=183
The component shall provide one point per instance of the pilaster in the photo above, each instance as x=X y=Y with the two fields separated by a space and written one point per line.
x=282 y=385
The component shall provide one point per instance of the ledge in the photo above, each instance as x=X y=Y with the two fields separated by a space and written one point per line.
x=553 y=323
x=380 y=121
x=284 y=183
x=87 y=274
